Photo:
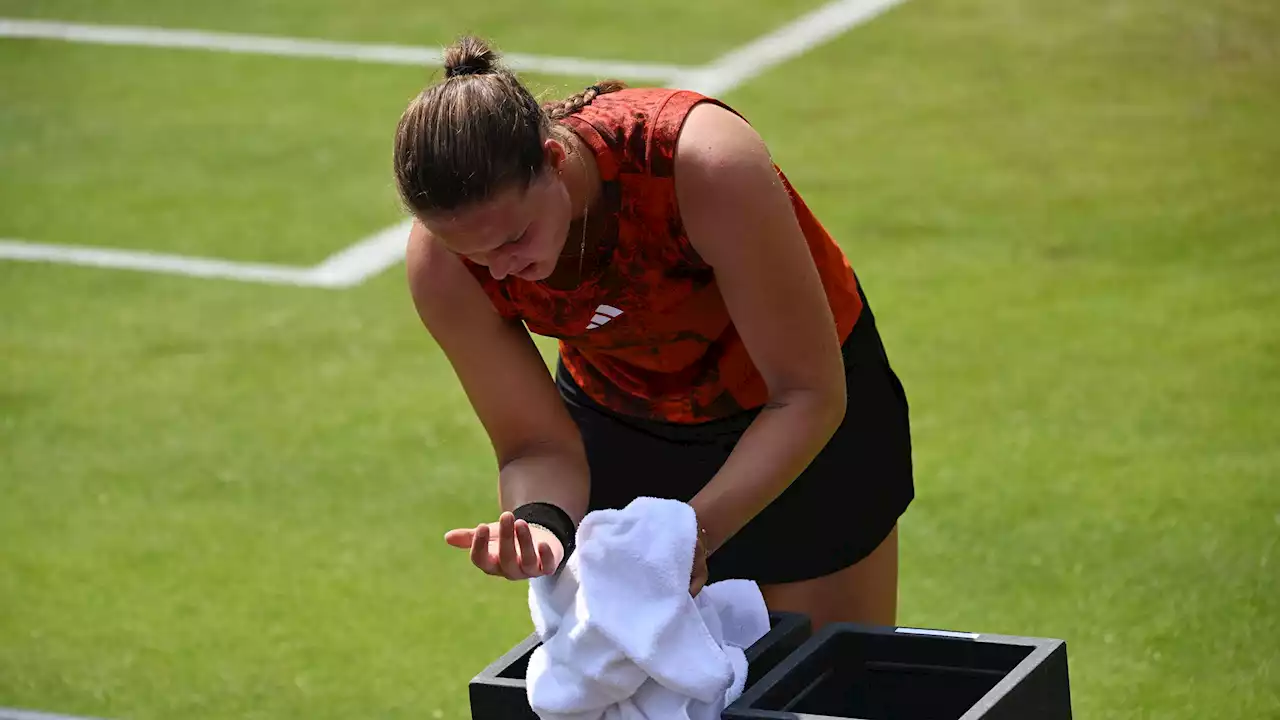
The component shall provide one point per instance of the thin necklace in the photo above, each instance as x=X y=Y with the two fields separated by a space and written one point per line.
x=586 y=214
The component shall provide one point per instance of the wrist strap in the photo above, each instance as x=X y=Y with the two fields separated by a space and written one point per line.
x=555 y=520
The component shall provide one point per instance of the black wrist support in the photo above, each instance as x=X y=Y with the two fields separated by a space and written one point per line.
x=554 y=519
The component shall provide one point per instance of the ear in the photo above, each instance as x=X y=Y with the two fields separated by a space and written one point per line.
x=555 y=152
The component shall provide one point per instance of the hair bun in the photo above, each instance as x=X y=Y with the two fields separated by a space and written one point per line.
x=469 y=56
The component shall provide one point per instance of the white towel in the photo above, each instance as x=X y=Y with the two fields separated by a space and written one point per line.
x=622 y=639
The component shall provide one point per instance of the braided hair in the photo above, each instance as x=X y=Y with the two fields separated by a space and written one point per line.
x=572 y=104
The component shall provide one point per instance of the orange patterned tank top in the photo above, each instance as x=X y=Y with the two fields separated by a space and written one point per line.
x=647 y=334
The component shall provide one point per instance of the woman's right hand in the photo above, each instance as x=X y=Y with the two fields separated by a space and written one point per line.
x=509 y=548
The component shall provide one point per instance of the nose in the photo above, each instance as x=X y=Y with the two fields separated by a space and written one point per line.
x=500 y=265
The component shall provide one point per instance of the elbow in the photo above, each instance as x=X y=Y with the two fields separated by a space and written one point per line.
x=824 y=405
x=835 y=403
x=835 y=396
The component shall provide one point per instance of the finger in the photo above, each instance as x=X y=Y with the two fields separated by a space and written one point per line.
x=528 y=556
x=507 y=546
x=480 y=556
x=460 y=537
x=546 y=559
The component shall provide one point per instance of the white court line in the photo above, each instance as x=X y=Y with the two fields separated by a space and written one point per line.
x=153 y=262
x=365 y=259
x=380 y=251
x=345 y=268
x=10 y=714
x=787 y=42
x=299 y=47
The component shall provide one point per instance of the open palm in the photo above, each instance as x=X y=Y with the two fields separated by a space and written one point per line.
x=509 y=548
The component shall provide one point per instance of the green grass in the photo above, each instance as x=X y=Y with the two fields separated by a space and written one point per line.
x=225 y=500
x=691 y=33
x=239 y=157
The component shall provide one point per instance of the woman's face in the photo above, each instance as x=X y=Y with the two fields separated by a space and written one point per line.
x=518 y=232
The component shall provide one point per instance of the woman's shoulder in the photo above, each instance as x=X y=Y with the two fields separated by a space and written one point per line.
x=640 y=127
x=649 y=104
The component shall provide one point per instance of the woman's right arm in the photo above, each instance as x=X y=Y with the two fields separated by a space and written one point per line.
x=539 y=450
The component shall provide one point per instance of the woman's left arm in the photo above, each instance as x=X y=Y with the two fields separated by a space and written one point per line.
x=739 y=218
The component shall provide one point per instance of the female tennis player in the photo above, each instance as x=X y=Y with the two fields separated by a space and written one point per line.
x=715 y=344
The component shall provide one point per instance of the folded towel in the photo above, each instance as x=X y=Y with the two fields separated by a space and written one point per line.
x=622 y=639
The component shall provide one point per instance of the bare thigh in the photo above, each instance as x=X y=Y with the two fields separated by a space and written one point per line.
x=863 y=593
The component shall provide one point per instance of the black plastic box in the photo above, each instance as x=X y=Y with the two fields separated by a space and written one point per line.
x=499 y=691
x=856 y=672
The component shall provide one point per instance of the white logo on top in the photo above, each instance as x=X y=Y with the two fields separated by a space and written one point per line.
x=604 y=314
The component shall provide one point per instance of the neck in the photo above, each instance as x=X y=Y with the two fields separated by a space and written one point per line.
x=582 y=176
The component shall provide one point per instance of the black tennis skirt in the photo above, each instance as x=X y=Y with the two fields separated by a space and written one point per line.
x=844 y=504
